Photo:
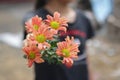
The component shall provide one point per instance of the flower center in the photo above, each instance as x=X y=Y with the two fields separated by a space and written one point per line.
x=66 y=52
x=35 y=27
x=40 y=38
x=32 y=55
x=54 y=25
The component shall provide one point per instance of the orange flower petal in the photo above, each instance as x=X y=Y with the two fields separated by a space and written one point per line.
x=56 y=15
x=30 y=62
x=62 y=29
x=68 y=62
x=49 y=18
x=39 y=60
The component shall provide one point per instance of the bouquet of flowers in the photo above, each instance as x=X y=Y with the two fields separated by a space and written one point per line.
x=42 y=43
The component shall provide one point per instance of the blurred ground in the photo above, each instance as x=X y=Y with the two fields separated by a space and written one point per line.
x=12 y=64
x=104 y=58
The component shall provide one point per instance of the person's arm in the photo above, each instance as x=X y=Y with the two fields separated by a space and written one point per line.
x=90 y=30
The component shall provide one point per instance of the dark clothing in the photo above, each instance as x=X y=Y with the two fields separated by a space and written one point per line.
x=81 y=30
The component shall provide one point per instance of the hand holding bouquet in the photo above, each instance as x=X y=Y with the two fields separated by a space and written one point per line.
x=42 y=43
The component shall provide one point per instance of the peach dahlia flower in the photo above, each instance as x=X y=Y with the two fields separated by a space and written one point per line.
x=56 y=22
x=33 y=24
x=32 y=54
x=68 y=50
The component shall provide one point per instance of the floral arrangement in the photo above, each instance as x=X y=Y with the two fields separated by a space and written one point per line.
x=42 y=43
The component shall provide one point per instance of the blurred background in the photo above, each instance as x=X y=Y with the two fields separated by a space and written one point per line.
x=103 y=51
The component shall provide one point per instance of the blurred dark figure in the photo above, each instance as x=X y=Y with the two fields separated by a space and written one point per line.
x=77 y=23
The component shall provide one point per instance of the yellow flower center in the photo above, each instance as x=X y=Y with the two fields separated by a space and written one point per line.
x=54 y=25
x=35 y=27
x=40 y=38
x=66 y=52
x=32 y=55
